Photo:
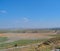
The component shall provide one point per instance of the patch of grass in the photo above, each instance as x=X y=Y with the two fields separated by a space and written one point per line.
x=20 y=43
x=3 y=39
x=57 y=35
x=30 y=48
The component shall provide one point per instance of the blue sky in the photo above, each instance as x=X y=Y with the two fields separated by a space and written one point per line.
x=29 y=13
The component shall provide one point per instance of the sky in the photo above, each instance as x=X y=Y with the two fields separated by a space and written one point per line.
x=29 y=13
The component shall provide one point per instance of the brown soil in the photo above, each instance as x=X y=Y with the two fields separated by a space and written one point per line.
x=27 y=35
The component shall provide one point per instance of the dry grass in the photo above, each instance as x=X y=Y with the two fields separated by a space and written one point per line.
x=27 y=35
x=18 y=36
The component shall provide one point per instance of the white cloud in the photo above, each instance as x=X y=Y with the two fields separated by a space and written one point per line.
x=26 y=19
x=3 y=11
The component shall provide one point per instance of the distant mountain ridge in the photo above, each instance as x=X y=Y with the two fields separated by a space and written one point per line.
x=29 y=28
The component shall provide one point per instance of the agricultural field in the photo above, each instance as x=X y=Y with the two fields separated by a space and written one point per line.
x=24 y=41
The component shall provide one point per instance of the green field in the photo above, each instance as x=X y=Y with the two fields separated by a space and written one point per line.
x=3 y=39
x=57 y=35
x=20 y=43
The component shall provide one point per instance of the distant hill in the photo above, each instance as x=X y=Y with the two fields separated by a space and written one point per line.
x=35 y=30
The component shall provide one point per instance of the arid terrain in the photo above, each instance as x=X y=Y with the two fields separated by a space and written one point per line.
x=18 y=36
x=23 y=39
